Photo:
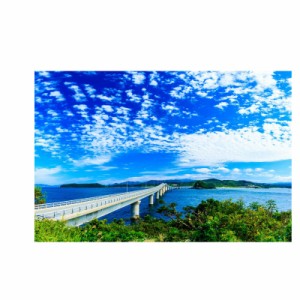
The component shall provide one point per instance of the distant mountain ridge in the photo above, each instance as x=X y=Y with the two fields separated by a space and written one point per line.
x=179 y=182
x=214 y=181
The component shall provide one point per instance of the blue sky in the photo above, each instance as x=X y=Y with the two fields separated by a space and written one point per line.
x=111 y=127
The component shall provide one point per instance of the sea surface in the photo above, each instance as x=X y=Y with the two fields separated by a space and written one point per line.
x=182 y=197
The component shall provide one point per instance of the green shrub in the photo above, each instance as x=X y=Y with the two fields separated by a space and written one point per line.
x=210 y=221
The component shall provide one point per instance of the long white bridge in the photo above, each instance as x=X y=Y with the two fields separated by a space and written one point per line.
x=80 y=211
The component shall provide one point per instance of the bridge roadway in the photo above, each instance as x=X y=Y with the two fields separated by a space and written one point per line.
x=80 y=211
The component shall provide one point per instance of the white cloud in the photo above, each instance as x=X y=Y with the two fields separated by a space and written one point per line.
x=100 y=160
x=107 y=108
x=132 y=97
x=57 y=95
x=154 y=78
x=61 y=130
x=79 y=95
x=122 y=110
x=264 y=81
x=82 y=110
x=203 y=170
x=221 y=105
x=227 y=79
x=105 y=98
x=138 y=122
x=47 y=176
x=169 y=107
x=80 y=106
x=223 y=169
x=180 y=91
x=52 y=113
x=90 y=90
x=211 y=82
x=106 y=168
x=201 y=94
x=138 y=78
x=68 y=113
x=236 y=171
x=242 y=145
x=249 y=110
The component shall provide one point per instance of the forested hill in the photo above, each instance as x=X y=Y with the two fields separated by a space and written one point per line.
x=214 y=183
x=80 y=185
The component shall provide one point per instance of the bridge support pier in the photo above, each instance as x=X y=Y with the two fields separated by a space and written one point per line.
x=157 y=195
x=135 y=210
x=151 y=201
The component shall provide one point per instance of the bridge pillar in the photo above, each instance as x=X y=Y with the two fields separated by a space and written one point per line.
x=151 y=202
x=157 y=195
x=160 y=192
x=135 y=210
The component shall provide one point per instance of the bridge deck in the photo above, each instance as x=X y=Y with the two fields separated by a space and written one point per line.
x=79 y=211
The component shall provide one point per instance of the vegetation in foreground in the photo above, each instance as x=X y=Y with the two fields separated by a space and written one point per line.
x=210 y=221
x=39 y=197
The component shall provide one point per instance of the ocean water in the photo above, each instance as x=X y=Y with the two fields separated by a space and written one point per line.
x=182 y=197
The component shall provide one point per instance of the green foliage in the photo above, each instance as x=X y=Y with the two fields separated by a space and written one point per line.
x=200 y=184
x=39 y=197
x=82 y=185
x=210 y=221
x=55 y=231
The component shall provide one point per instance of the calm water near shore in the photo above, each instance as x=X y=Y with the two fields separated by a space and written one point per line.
x=183 y=197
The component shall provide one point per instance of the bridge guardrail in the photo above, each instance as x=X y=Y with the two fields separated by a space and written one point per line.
x=97 y=198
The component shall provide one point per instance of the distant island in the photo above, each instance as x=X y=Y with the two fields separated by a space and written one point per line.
x=216 y=183
x=82 y=185
x=196 y=184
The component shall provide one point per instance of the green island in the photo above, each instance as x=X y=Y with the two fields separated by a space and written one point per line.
x=82 y=185
x=210 y=221
x=216 y=183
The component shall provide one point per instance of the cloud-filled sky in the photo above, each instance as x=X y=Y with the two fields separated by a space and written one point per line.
x=111 y=127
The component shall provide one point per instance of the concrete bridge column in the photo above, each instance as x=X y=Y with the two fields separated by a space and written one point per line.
x=135 y=210
x=160 y=192
x=151 y=202
x=157 y=195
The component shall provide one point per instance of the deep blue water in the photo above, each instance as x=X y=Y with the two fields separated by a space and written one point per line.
x=182 y=197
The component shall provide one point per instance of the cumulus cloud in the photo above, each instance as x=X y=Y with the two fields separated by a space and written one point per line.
x=47 y=175
x=254 y=108
x=107 y=108
x=138 y=78
x=57 y=95
x=203 y=170
x=52 y=113
x=154 y=79
x=99 y=160
x=79 y=96
x=105 y=98
x=221 y=105
x=242 y=145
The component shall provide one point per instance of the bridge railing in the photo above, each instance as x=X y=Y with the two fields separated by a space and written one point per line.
x=68 y=202
x=98 y=198
x=87 y=205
